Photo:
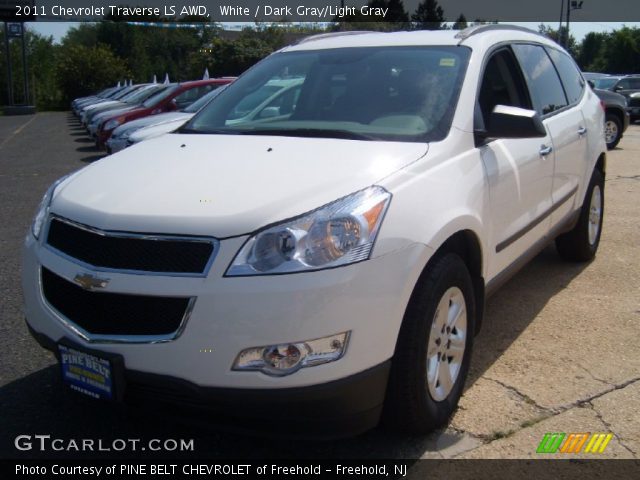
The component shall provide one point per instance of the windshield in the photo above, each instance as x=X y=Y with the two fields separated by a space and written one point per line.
x=141 y=95
x=153 y=100
x=605 y=82
x=114 y=93
x=370 y=93
x=202 y=101
x=126 y=91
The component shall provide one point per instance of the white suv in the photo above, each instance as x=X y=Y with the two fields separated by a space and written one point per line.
x=327 y=263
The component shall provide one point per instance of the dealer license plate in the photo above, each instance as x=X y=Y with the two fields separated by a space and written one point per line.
x=86 y=373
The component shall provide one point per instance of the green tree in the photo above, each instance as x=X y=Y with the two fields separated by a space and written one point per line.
x=591 y=51
x=621 y=51
x=428 y=16
x=84 y=70
x=40 y=52
x=461 y=23
x=396 y=13
x=232 y=57
x=560 y=36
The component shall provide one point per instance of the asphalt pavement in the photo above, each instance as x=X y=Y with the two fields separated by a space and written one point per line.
x=559 y=349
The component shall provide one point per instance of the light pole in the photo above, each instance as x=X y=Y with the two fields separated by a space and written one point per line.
x=571 y=5
x=560 y=36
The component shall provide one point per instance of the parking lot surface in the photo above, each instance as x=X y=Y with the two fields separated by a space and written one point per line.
x=559 y=350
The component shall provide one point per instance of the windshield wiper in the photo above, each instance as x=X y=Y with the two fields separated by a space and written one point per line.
x=311 y=133
x=208 y=131
x=284 y=132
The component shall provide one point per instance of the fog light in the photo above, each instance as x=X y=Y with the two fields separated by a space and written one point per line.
x=287 y=358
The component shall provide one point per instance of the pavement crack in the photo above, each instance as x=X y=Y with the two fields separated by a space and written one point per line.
x=595 y=396
x=609 y=428
x=548 y=412
x=626 y=177
x=525 y=398
x=593 y=376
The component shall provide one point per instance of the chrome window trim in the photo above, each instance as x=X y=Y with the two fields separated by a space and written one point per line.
x=115 y=339
x=143 y=236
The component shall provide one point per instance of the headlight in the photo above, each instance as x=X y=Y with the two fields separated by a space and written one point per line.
x=124 y=135
x=43 y=208
x=111 y=124
x=337 y=234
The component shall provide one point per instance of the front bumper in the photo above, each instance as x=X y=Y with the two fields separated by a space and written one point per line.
x=93 y=129
x=101 y=137
x=344 y=407
x=114 y=145
x=231 y=314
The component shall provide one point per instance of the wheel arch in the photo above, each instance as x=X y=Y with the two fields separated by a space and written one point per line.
x=601 y=164
x=465 y=243
x=618 y=112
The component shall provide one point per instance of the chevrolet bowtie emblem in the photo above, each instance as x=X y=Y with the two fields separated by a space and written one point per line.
x=89 y=282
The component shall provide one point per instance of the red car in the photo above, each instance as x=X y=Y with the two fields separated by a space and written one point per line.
x=176 y=97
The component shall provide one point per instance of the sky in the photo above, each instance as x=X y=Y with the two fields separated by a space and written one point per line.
x=578 y=29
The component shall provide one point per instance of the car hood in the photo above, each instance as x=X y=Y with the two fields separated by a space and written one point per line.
x=223 y=185
x=106 y=103
x=112 y=113
x=610 y=97
x=159 y=129
x=143 y=122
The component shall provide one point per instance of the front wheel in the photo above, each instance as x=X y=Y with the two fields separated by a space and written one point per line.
x=433 y=350
x=581 y=243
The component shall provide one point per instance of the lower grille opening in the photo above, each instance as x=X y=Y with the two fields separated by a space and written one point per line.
x=106 y=313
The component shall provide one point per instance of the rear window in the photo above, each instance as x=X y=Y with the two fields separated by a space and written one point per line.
x=605 y=83
x=542 y=78
x=630 y=83
x=569 y=74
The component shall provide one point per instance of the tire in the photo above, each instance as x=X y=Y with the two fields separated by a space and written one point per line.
x=612 y=130
x=414 y=403
x=581 y=243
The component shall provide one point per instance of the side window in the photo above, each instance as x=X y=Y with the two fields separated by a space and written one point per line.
x=187 y=97
x=569 y=74
x=502 y=84
x=634 y=83
x=546 y=89
x=624 y=84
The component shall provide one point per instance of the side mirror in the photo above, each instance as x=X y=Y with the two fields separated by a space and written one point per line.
x=513 y=122
x=173 y=105
x=617 y=88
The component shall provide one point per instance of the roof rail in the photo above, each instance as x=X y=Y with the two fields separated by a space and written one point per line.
x=321 y=36
x=470 y=31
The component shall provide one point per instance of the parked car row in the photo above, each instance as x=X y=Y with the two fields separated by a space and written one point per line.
x=103 y=113
x=621 y=102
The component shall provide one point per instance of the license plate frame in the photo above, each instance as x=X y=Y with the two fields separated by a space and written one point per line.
x=93 y=373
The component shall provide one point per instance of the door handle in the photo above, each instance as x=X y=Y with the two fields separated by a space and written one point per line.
x=545 y=150
x=582 y=131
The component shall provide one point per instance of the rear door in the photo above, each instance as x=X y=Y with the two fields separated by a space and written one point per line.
x=558 y=105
